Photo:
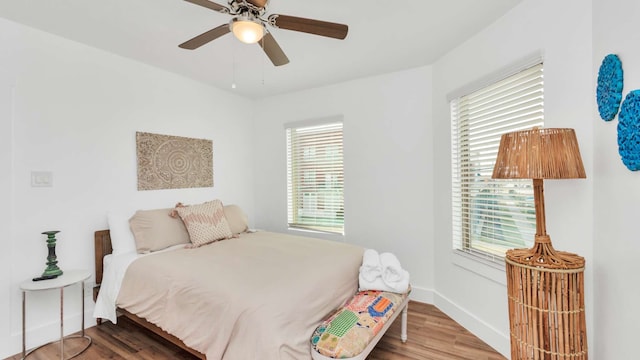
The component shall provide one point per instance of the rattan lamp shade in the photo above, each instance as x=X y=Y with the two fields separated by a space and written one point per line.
x=539 y=153
x=545 y=286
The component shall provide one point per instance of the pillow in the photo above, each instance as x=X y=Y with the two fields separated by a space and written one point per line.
x=205 y=222
x=237 y=219
x=122 y=240
x=155 y=230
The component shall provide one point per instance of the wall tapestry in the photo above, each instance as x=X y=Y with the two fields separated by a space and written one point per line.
x=173 y=162
x=609 y=90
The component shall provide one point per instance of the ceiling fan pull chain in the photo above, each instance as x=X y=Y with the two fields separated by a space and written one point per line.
x=262 y=62
x=233 y=55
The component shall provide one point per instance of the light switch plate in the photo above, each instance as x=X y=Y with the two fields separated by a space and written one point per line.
x=41 y=179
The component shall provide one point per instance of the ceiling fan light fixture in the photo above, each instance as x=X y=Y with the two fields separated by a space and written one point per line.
x=246 y=29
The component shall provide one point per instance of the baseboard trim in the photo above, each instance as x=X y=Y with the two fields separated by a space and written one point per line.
x=45 y=333
x=487 y=333
x=421 y=294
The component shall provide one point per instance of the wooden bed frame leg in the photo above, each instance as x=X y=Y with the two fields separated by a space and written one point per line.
x=403 y=333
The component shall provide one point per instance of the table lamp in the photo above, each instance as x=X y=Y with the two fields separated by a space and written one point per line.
x=545 y=286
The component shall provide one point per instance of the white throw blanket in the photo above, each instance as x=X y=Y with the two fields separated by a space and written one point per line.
x=382 y=272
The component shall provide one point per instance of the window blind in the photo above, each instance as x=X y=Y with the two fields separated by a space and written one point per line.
x=315 y=177
x=491 y=216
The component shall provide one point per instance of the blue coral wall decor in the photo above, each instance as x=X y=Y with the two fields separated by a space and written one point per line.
x=629 y=131
x=609 y=90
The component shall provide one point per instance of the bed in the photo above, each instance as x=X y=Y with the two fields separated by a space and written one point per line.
x=259 y=295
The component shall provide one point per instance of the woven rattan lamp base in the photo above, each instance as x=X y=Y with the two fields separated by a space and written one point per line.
x=546 y=307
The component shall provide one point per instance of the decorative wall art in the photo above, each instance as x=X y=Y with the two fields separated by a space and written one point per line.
x=609 y=90
x=173 y=162
x=608 y=96
x=629 y=131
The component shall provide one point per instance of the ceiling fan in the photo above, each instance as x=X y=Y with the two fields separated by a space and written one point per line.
x=249 y=26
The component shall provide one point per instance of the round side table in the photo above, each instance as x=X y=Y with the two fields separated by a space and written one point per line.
x=68 y=278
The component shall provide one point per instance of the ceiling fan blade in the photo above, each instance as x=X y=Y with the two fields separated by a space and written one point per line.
x=206 y=37
x=273 y=50
x=258 y=3
x=310 y=26
x=211 y=5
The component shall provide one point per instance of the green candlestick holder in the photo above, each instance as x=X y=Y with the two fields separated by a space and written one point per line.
x=52 y=269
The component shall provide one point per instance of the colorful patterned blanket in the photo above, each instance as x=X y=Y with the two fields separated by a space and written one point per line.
x=348 y=331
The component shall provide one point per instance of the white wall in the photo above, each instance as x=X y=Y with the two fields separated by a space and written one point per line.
x=387 y=163
x=75 y=113
x=5 y=211
x=616 y=195
x=64 y=105
x=561 y=30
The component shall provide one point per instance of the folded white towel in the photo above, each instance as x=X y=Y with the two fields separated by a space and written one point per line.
x=371 y=268
x=391 y=268
x=393 y=275
x=376 y=284
x=382 y=272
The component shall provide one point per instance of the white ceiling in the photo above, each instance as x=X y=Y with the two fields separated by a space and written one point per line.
x=383 y=37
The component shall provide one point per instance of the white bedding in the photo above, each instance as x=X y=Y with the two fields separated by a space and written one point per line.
x=114 y=269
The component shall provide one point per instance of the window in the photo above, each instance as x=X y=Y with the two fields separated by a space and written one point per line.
x=492 y=216
x=315 y=177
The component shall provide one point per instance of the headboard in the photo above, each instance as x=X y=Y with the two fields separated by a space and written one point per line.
x=102 y=244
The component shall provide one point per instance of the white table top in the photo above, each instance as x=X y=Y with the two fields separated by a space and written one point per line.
x=68 y=277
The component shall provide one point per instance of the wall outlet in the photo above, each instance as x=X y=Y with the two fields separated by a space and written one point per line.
x=41 y=179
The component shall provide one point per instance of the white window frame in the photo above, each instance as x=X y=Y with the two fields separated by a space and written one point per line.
x=320 y=168
x=474 y=140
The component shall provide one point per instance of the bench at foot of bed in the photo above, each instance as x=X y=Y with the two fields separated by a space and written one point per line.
x=354 y=330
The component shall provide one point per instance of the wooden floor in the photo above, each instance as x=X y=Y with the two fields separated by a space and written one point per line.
x=432 y=336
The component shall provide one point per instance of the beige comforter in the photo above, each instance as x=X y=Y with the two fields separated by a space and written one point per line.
x=256 y=297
